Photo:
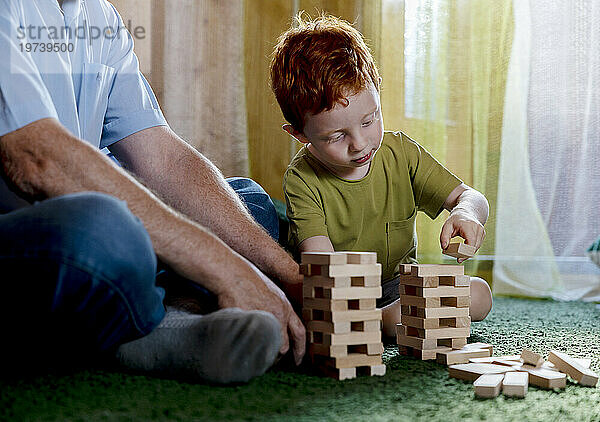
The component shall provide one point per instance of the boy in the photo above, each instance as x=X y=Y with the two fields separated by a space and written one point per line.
x=353 y=186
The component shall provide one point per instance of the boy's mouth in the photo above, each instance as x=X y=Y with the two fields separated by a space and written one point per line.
x=363 y=158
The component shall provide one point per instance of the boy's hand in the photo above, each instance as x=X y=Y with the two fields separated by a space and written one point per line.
x=464 y=224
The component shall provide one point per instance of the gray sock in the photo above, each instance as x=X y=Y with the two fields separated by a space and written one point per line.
x=229 y=345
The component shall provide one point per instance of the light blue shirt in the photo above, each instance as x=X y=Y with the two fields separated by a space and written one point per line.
x=75 y=64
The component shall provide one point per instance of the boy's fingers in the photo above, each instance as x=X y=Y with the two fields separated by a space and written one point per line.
x=446 y=234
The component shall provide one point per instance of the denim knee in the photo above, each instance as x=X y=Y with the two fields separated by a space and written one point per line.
x=259 y=203
x=103 y=260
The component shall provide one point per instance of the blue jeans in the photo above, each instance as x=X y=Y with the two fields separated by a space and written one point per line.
x=81 y=269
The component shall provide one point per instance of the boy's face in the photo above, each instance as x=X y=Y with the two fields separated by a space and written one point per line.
x=346 y=138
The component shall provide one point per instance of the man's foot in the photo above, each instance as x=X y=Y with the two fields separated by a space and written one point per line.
x=226 y=346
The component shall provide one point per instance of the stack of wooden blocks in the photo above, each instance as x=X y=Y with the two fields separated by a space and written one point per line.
x=435 y=321
x=344 y=325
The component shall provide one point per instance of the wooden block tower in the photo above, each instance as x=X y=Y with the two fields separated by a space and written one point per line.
x=339 y=309
x=435 y=317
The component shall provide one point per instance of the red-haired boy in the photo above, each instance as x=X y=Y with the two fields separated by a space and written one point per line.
x=354 y=186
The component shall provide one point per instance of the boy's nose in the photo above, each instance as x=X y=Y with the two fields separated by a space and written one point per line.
x=358 y=143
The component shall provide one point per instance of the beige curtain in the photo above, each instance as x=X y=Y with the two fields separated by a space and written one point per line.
x=193 y=56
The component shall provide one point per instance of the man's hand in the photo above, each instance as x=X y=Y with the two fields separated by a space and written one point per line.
x=461 y=223
x=256 y=291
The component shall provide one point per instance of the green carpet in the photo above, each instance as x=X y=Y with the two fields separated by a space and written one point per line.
x=411 y=390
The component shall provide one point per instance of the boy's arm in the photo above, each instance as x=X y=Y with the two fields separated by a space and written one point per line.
x=469 y=211
x=316 y=244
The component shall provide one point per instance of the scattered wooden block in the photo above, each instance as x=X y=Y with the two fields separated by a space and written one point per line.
x=480 y=345
x=566 y=364
x=545 y=378
x=488 y=385
x=472 y=371
x=460 y=356
x=532 y=358
x=323 y=258
x=512 y=358
x=582 y=361
x=361 y=257
x=428 y=270
x=515 y=384
x=459 y=250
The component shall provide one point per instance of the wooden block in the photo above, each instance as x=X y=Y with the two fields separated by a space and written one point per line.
x=326 y=304
x=582 y=361
x=513 y=359
x=512 y=363
x=457 y=280
x=568 y=365
x=488 y=385
x=374 y=325
x=405 y=269
x=420 y=281
x=415 y=342
x=353 y=337
x=459 y=250
x=327 y=282
x=439 y=312
x=324 y=350
x=352 y=293
x=443 y=291
x=459 y=302
x=545 y=378
x=515 y=384
x=374 y=370
x=428 y=270
x=438 y=333
x=425 y=354
x=361 y=257
x=323 y=258
x=362 y=304
x=460 y=322
x=352 y=270
x=472 y=371
x=329 y=327
x=454 y=343
x=452 y=357
x=532 y=358
x=353 y=315
x=355 y=359
x=365 y=281
x=419 y=322
x=421 y=302
x=339 y=374
x=480 y=345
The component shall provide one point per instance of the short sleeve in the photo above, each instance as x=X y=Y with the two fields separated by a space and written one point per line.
x=132 y=105
x=304 y=209
x=24 y=98
x=432 y=183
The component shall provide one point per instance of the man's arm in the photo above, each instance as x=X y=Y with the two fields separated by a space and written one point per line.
x=469 y=211
x=44 y=160
x=190 y=183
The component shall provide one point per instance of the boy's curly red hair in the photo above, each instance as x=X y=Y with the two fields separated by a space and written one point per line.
x=317 y=64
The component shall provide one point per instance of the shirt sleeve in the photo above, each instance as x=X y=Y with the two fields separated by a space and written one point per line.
x=24 y=98
x=432 y=183
x=132 y=105
x=304 y=209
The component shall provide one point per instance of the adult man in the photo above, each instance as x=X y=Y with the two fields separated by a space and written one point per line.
x=83 y=260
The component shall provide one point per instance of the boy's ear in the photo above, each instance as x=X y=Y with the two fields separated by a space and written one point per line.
x=299 y=136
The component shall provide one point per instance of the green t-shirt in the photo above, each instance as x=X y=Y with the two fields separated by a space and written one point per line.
x=376 y=213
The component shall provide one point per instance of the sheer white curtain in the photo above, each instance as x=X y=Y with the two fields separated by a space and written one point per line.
x=549 y=183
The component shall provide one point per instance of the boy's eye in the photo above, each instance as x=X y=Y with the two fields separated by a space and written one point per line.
x=367 y=123
x=336 y=138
